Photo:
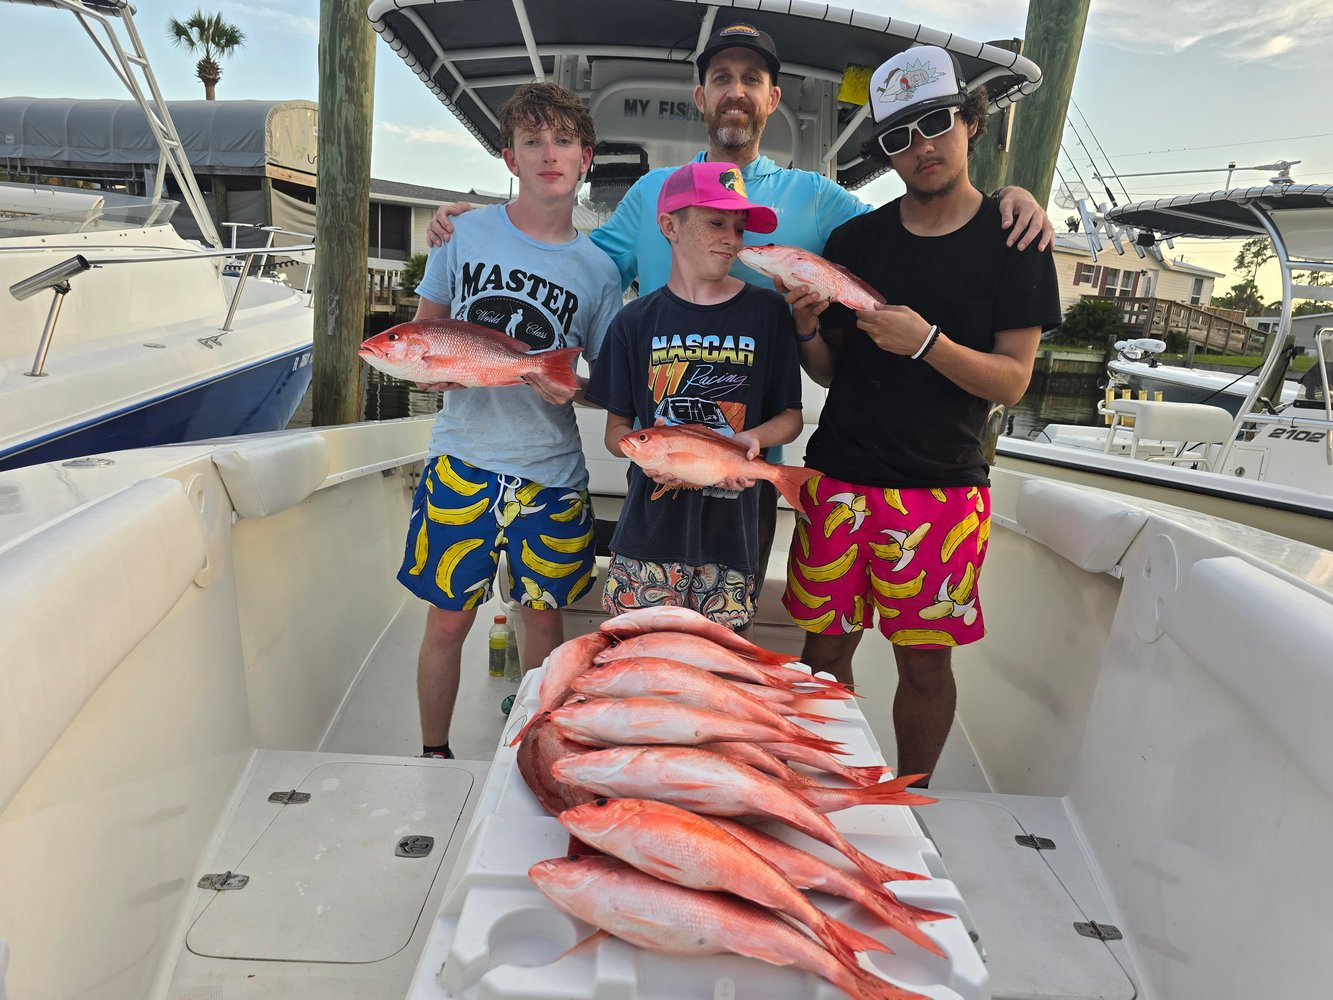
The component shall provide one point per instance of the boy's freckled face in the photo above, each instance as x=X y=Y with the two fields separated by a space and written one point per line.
x=549 y=161
x=709 y=239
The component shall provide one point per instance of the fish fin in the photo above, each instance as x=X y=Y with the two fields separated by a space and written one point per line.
x=789 y=479
x=811 y=717
x=587 y=944
x=555 y=367
x=526 y=726
x=853 y=940
x=860 y=283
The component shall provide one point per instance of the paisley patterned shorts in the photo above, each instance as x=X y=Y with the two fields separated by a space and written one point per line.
x=914 y=556
x=464 y=517
x=724 y=594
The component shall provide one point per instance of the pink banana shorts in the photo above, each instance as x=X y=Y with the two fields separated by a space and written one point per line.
x=914 y=556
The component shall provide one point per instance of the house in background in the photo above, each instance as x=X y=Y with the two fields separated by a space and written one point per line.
x=1158 y=295
x=1303 y=328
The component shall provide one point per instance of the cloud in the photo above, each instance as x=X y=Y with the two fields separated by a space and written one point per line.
x=1238 y=30
x=444 y=136
x=250 y=16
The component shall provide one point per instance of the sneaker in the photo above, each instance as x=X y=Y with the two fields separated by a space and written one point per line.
x=439 y=756
x=507 y=704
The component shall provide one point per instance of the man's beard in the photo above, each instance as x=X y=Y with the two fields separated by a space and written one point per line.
x=924 y=195
x=739 y=136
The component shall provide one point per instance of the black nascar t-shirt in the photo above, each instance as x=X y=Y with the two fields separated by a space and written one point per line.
x=893 y=422
x=731 y=366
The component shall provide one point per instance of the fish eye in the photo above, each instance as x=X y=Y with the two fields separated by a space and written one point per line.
x=643 y=437
x=392 y=336
x=571 y=857
x=602 y=801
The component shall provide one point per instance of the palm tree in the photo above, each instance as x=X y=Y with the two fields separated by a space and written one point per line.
x=211 y=36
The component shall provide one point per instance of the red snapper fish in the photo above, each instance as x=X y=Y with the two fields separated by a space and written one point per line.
x=449 y=350
x=542 y=747
x=681 y=847
x=672 y=920
x=701 y=457
x=801 y=267
x=563 y=665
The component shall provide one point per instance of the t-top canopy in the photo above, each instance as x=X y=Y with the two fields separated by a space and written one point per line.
x=1220 y=213
x=633 y=61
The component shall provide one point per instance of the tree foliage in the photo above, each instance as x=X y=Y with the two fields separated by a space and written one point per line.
x=413 y=273
x=1244 y=296
x=1089 y=322
x=210 y=36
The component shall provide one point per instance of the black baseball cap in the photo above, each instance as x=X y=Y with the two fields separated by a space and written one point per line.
x=740 y=36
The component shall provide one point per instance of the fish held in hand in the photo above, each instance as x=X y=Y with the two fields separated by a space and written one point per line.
x=701 y=457
x=448 y=350
x=796 y=267
x=669 y=919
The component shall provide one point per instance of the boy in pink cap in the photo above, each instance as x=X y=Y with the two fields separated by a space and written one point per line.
x=706 y=348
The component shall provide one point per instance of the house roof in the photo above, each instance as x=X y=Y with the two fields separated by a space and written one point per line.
x=1077 y=244
x=419 y=194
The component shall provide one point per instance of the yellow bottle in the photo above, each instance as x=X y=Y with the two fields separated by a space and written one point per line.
x=498 y=640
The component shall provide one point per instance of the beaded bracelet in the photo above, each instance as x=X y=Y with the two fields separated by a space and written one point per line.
x=932 y=336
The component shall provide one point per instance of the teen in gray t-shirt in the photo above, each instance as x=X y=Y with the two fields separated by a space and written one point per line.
x=545 y=295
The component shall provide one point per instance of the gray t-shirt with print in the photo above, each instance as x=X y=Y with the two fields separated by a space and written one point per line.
x=547 y=295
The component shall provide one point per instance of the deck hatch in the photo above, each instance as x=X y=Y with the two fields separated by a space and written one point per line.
x=327 y=883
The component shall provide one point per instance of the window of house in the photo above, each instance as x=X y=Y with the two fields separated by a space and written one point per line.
x=1117 y=283
x=1084 y=274
x=1196 y=293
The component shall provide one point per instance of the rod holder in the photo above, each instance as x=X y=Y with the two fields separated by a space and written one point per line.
x=52 y=277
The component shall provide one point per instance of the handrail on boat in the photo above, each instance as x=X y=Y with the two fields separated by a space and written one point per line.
x=57 y=278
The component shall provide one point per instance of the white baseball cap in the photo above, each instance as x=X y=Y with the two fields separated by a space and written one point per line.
x=913 y=83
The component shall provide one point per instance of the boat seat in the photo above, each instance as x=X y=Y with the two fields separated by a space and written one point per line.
x=269 y=475
x=1186 y=423
x=138 y=552
x=1089 y=529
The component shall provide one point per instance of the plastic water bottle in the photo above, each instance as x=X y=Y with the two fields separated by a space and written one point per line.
x=513 y=671
x=498 y=642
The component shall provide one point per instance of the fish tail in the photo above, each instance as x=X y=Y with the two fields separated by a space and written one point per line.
x=866 y=774
x=557 y=367
x=881 y=873
x=862 y=985
x=903 y=918
x=789 y=479
x=844 y=941
x=812 y=717
x=894 y=793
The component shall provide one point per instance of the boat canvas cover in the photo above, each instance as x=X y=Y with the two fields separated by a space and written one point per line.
x=1221 y=213
x=634 y=64
x=218 y=136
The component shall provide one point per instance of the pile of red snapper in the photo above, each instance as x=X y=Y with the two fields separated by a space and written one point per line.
x=655 y=739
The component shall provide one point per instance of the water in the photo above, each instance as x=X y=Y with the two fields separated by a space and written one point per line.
x=1056 y=399
x=388 y=398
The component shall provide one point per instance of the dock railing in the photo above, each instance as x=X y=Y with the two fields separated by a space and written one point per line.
x=1151 y=317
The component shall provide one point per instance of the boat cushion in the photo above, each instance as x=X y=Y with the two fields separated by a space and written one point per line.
x=1268 y=642
x=138 y=551
x=1089 y=529
x=269 y=475
x=1155 y=420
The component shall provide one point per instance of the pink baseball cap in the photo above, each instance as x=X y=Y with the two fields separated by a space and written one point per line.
x=714 y=185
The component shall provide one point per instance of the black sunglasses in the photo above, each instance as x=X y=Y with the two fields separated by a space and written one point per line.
x=931 y=125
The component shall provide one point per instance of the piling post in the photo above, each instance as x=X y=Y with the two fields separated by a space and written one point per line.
x=1052 y=39
x=342 y=206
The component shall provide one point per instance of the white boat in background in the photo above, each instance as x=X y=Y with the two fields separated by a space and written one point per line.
x=1259 y=462
x=118 y=332
x=1139 y=369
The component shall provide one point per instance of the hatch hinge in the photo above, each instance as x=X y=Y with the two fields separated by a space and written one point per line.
x=1035 y=842
x=289 y=798
x=414 y=847
x=1102 y=932
x=221 y=881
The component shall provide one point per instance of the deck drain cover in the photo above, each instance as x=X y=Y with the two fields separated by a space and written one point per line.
x=415 y=847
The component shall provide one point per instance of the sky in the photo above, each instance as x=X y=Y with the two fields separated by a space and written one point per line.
x=1160 y=86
